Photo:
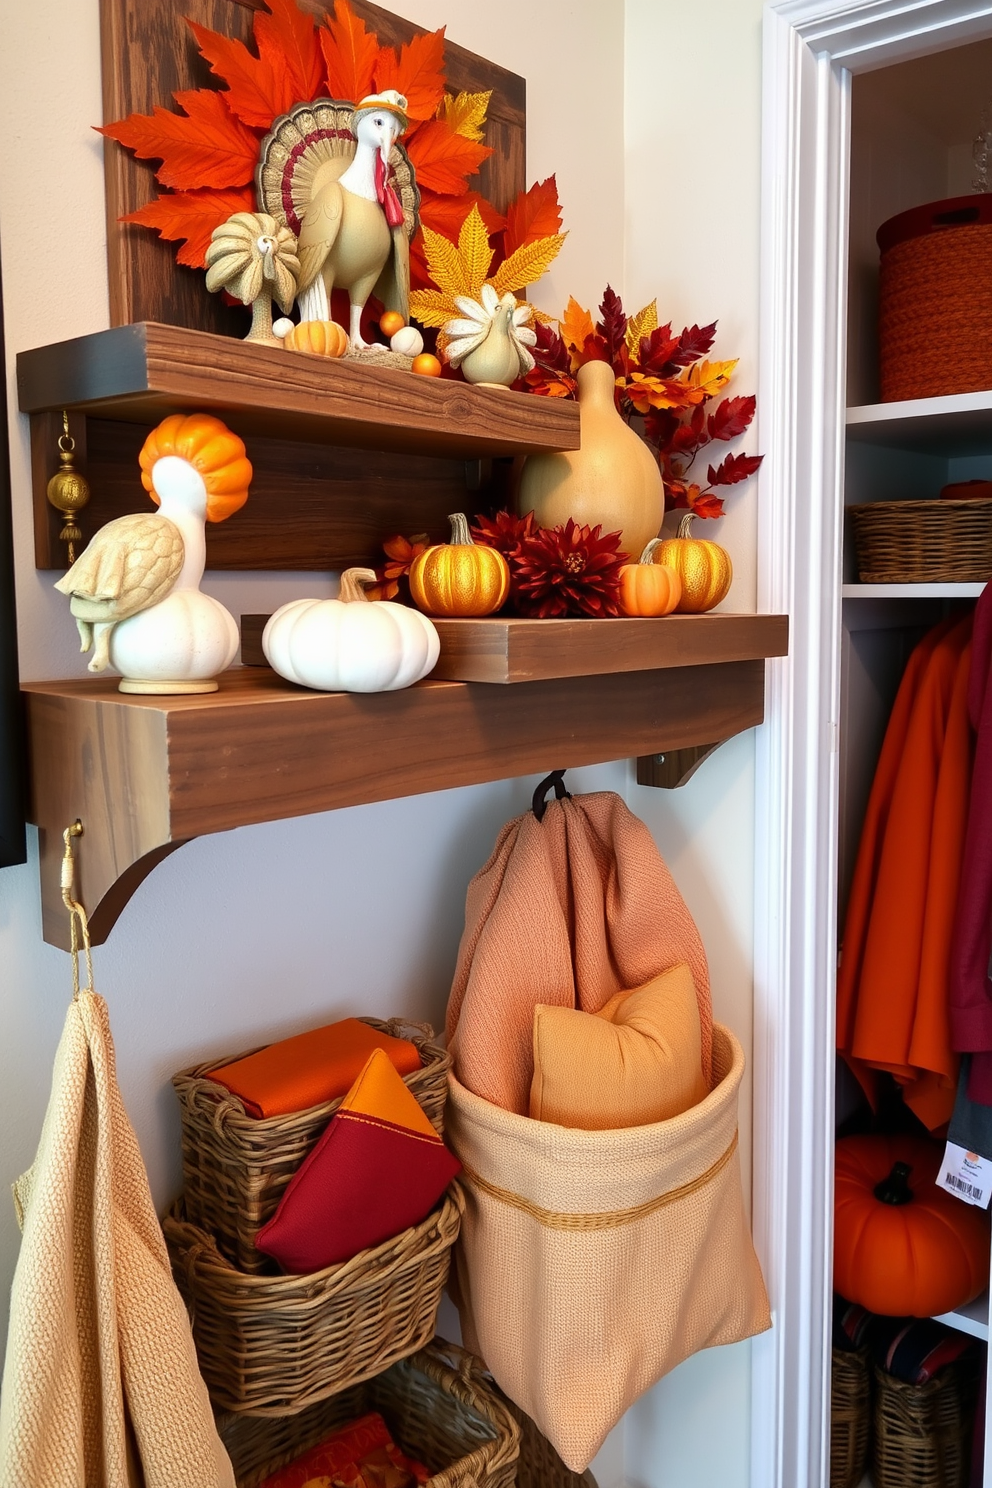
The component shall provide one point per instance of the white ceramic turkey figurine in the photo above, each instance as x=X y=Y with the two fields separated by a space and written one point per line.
x=350 y=644
x=135 y=591
x=337 y=177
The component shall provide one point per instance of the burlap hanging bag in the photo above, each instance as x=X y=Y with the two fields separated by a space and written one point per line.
x=590 y=1262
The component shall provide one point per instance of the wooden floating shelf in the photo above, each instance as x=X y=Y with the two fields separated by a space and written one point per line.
x=506 y=650
x=139 y=373
x=145 y=775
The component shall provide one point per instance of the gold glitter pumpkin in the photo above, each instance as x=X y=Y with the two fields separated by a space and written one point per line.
x=460 y=577
x=703 y=566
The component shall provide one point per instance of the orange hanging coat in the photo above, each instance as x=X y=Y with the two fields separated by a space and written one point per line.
x=893 y=983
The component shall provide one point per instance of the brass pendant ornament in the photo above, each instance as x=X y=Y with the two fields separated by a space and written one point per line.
x=68 y=491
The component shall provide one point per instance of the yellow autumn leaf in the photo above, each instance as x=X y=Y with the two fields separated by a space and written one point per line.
x=444 y=263
x=431 y=306
x=527 y=264
x=474 y=252
x=645 y=392
x=466 y=113
x=709 y=377
x=640 y=325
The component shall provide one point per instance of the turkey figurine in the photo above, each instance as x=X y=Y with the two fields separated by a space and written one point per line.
x=490 y=340
x=135 y=591
x=337 y=177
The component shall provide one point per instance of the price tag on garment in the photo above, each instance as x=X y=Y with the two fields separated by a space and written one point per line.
x=966 y=1175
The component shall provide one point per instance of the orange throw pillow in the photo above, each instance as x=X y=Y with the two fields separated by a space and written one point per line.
x=635 y=1061
x=310 y=1068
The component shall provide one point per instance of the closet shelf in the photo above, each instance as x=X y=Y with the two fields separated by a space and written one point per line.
x=145 y=774
x=973 y=1318
x=958 y=424
x=911 y=591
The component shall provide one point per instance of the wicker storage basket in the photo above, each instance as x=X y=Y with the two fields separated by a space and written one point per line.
x=918 y=542
x=438 y=1404
x=850 y=1411
x=236 y=1167
x=270 y=1345
x=935 y=299
x=539 y=1465
x=922 y=1433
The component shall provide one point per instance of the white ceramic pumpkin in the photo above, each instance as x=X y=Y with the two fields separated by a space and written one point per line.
x=348 y=644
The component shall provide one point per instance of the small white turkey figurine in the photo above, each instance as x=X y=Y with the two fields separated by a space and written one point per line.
x=135 y=591
x=490 y=340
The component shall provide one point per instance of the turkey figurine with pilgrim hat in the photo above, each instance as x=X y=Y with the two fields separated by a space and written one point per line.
x=339 y=179
x=135 y=591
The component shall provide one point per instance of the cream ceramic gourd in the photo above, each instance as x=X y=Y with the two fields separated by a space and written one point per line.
x=350 y=644
x=612 y=480
x=135 y=591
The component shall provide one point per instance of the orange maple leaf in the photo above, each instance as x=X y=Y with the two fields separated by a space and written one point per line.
x=350 y=54
x=284 y=31
x=258 y=90
x=417 y=73
x=445 y=214
x=534 y=214
x=443 y=159
x=576 y=326
x=192 y=215
x=207 y=146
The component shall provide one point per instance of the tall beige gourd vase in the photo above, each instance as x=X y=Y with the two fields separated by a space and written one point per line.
x=613 y=479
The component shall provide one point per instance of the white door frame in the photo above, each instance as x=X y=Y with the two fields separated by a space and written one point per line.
x=811 y=48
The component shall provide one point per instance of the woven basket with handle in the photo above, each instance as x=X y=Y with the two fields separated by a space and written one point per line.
x=236 y=1167
x=922 y=1433
x=270 y=1345
x=850 y=1412
x=919 y=542
x=439 y=1405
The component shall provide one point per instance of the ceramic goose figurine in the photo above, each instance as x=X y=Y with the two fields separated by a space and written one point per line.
x=135 y=591
x=354 y=223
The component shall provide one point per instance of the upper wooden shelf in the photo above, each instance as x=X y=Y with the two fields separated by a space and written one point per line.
x=139 y=373
x=958 y=424
x=145 y=774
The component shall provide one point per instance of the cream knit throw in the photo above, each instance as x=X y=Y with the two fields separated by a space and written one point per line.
x=99 y=1345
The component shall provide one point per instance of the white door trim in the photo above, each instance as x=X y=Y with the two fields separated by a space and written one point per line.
x=811 y=47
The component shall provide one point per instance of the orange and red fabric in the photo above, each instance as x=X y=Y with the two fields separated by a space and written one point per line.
x=310 y=1068
x=379 y=1168
x=360 y=1455
x=893 y=982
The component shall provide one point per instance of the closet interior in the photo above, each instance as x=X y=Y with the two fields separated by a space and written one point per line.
x=912 y=132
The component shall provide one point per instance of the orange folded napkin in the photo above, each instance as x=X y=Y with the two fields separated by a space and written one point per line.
x=310 y=1068
x=357 y=1455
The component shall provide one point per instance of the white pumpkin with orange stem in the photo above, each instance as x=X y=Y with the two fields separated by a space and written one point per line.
x=135 y=591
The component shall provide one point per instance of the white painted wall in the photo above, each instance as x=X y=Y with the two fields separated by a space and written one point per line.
x=266 y=930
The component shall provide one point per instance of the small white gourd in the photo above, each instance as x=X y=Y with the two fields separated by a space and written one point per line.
x=349 y=644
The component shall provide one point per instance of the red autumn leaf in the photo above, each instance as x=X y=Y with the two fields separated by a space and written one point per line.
x=207 y=146
x=532 y=215
x=285 y=31
x=417 y=73
x=550 y=351
x=733 y=469
x=661 y=426
x=694 y=342
x=706 y=504
x=350 y=54
x=258 y=90
x=613 y=328
x=731 y=418
x=192 y=215
x=594 y=349
x=443 y=159
x=445 y=214
x=655 y=352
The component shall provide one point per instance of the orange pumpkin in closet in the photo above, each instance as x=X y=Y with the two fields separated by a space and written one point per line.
x=902 y=1246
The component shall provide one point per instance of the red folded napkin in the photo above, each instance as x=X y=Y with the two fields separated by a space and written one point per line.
x=310 y=1068
x=360 y=1455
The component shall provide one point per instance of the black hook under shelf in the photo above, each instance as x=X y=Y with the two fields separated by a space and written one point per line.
x=540 y=802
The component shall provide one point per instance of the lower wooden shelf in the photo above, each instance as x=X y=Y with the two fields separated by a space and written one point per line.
x=145 y=774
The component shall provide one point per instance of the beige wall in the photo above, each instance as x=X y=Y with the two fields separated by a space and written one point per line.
x=247 y=934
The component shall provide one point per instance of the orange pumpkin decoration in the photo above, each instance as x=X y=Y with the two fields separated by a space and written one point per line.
x=318 y=338
x=212 y=450
x=902 y=1246
x=649 y=588
x=390 y=322
x=460 y=577
x=703 y=566
x=426 y=365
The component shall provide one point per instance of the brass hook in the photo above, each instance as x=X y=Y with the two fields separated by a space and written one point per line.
x=77 y=915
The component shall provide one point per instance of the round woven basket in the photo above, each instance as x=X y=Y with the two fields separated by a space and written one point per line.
x=236 y=1167
x=922 y=1433
x=850 y=1411
x=919 y=542
x=935 y=299
x=272 y=1345
x=438 y=1404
